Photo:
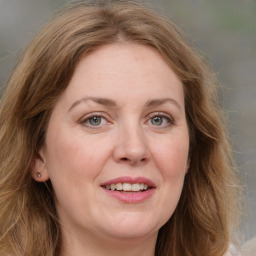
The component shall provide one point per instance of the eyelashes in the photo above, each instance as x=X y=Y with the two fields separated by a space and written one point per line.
x=94 y=120
x=160 y=120
x=97 y=120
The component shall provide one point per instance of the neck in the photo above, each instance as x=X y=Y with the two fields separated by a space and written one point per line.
x=100 y=246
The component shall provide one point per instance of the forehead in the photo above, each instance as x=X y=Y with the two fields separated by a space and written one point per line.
x=122 y=71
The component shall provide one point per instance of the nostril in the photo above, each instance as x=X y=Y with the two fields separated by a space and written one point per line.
x=125 y=159
x=133 y=161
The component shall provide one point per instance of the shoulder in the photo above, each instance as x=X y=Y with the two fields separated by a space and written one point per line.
x=232 y=251
x=249 y=247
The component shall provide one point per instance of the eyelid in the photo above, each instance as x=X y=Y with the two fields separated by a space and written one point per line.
x=86 y=117
x=161 y=114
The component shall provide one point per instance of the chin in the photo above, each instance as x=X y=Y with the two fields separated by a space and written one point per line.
x=133 y=227
x=130 y=233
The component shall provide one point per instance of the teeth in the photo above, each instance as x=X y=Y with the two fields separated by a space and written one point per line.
x=136 y=187
x=119 y=186
x=127 y=187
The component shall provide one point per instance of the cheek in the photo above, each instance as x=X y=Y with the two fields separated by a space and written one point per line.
x=73 y=166
x=172 y=157
x=74 y=157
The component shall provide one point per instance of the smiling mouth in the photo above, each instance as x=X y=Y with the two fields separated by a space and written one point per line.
x=127 y=187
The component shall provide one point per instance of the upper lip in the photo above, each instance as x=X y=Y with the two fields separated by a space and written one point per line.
x=132 y=180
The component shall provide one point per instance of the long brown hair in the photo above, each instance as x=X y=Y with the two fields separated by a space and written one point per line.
x=202 y=222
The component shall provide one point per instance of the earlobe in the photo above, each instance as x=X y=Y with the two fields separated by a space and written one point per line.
x=38 y=169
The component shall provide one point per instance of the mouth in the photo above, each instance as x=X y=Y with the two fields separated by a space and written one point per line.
x=128 y=187
x=129 y=184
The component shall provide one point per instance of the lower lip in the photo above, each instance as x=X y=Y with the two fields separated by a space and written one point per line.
x=131 y=197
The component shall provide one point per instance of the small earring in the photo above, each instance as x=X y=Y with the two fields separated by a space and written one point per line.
x=38 y=174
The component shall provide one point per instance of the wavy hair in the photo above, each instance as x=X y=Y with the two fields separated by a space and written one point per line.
x=203 y=221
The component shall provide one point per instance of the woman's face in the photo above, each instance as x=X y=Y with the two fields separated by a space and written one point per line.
x=117 y=144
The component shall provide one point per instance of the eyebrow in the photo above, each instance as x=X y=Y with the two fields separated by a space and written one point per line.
x=111 y=103
x=158 y=102
x=101 y=101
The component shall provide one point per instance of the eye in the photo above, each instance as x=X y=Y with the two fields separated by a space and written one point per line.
x=161 y=120
x=94 y=121
x=157 y=120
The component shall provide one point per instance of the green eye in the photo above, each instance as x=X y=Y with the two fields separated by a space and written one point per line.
x=157 y=120
x=95 y=120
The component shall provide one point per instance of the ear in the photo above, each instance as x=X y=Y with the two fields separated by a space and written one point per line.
x=38 y=168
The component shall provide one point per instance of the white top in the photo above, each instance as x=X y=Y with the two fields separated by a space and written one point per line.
x=232 y=251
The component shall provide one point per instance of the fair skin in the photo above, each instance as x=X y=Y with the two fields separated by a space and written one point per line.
x=120 y=120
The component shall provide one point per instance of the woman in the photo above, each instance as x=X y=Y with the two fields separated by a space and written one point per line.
x=112 y=142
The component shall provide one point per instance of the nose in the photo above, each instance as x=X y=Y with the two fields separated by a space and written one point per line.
x=131 y=146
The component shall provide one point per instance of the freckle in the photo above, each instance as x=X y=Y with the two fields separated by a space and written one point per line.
x=91 y=158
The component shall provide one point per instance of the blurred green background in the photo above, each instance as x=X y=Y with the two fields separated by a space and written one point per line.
x=223 y=30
